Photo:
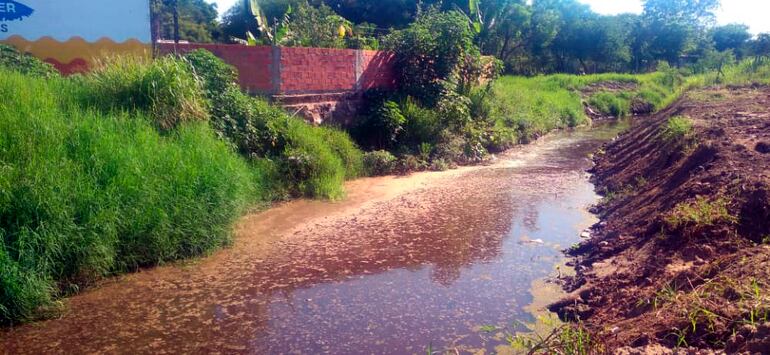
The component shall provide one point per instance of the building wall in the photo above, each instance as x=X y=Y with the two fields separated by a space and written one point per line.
x=74 y=34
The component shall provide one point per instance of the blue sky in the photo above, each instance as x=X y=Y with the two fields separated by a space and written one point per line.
x=751 y=12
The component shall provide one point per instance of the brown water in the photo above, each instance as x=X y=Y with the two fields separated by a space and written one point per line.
x=401 y=265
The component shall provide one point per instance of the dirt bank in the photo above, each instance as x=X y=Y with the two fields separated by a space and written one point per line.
x=680 y=258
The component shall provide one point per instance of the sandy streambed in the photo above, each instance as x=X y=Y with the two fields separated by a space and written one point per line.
x=404 y=263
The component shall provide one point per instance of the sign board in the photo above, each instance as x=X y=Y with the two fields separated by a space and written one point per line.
x=73 y=34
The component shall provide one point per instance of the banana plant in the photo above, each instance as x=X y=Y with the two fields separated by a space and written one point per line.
x=274 y=34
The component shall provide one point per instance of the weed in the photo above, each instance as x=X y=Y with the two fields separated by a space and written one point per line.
x=700 y=213
x=568 y=339
x=677 y=129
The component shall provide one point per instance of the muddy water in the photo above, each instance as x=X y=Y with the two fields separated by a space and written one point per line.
x=402 y=264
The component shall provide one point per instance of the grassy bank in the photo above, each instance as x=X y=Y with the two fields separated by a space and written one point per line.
x=86 y=194
x=528 y=107
x=137 y=164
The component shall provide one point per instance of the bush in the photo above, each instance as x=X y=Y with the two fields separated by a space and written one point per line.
x=430 y=52
x=86 y=194
x=422 y=125
x=379 y=162
x=316 y=159
x=164 y=89
x=13 y=60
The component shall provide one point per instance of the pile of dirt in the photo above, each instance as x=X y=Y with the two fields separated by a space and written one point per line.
x=680 y=258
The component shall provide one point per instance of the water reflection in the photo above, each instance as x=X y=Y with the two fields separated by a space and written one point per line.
x=429 y=267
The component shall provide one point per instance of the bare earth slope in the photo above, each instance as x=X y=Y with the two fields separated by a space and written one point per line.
x=681 y=258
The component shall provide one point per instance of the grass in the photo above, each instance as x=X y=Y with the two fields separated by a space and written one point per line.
x=164 y=90
x=700 y=213
x=87 y=194
x=138 y=164
x=568 y=339
x=677 y=129
x=528 y=107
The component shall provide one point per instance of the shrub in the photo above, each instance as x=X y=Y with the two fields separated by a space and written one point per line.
x=164 y=89
x=317 y=159
x=379 y=162
x=430 y=52
x=86 y=194
x=422 y=125
x=13 y=60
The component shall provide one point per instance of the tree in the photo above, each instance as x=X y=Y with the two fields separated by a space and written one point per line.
x=732 y=36
x=197 y=20
x=760 y=47
x=669 y=28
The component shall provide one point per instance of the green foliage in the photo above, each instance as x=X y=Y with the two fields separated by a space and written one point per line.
x=700 y=213
x=163 y=89
x=215 y=75
x=379 y=162
x=344 y=148
x=13 y=60
x=730 y=37
x=87 y=194
x=317 y=27
x=613 y=104
x=568 y=339
x=535 y=106
x=677 y=129
x=316 y=160
x=197 y=20
x=431 y=53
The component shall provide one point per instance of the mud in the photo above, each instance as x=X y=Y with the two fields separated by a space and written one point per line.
x=403 y=264
x=645 y=282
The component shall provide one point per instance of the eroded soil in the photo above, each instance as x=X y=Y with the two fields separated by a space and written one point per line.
x=440 y=260
x=680 y=258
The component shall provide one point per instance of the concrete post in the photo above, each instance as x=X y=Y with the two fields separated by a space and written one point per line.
x=275 y=69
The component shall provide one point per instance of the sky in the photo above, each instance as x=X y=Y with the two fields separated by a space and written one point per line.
x=753 y=13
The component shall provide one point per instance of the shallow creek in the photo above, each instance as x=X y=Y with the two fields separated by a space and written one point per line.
x=403 y=264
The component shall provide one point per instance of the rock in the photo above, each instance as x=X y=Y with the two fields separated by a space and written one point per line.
x=585 y=235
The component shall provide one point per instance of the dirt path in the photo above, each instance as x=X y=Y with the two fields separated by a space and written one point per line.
x=682 y=257
x=402 y=263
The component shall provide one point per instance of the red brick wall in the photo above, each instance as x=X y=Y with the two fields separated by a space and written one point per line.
x=254 y=64
x=317 y=70
x=378 y=70
x=301 y=70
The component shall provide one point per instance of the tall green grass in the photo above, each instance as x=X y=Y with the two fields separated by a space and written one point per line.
x=524 y=108
x=137 y=164
x=165 y=89
x=85 y=194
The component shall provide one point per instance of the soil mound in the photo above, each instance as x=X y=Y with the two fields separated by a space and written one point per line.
x=681 y=257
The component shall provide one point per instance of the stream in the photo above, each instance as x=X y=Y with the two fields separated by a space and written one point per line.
x=442 y=260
